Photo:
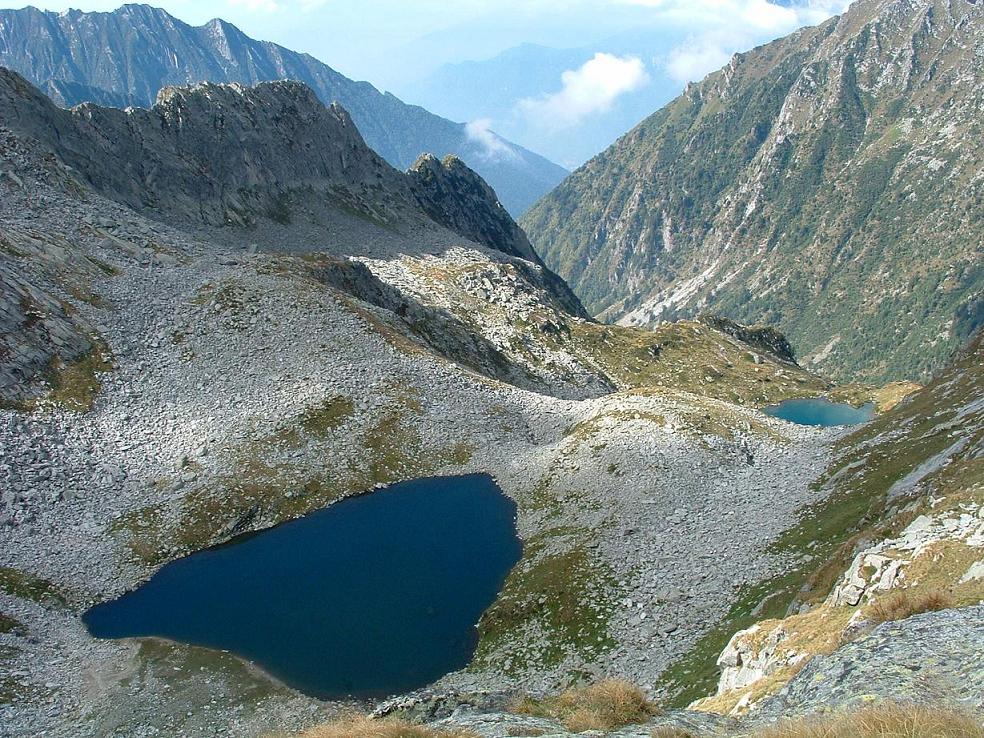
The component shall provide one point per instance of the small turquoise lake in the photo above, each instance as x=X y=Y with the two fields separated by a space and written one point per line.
x=821 y=412
x=372 y=596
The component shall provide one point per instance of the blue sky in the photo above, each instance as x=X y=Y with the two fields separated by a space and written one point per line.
x=389 y=42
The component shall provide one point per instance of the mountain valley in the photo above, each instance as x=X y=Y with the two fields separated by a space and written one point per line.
x=226 y=311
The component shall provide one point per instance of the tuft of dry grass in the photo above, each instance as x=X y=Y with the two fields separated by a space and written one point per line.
x=903 y=603
x=670 y=732
x=75 y=385
x=361 y=726
x=883 y=721
x=607 y=705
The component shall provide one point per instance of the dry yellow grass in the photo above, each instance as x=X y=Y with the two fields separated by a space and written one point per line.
x=364 y=727
x=817 y=632
x=607 y=705
x=671 y=733
x=883 y=721
x=902 y=604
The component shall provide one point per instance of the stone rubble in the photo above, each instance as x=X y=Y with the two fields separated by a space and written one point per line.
x=219 y=340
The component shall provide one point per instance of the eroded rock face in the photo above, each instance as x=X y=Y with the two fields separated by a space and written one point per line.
x=221 y=154
x=749 y=657
x=456 y=197
x=35 y=328
x=932 y=658
x=764 y=338
x=229 y=155
x=882 y=567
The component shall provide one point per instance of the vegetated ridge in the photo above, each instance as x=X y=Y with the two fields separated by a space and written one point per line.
x=828 y=183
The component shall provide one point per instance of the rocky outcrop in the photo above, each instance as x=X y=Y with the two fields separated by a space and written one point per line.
x=35 y=330
x=751 y=655
x=457 y=198
x=441 y=331
x=935 y=658
x=882 y=567
x=764 y=338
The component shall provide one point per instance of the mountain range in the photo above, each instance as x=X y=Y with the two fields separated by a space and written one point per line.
x=828 y=183
x=126 y=56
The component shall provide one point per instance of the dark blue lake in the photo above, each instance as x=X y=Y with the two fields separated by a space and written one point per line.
x=372 y=596
x=821 y=412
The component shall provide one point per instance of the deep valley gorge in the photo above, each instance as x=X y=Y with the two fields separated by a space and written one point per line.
x=225 y=311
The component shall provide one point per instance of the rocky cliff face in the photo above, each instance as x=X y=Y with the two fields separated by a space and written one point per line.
x=144 y=49
x=222 y=154
x=828 y=182
x=457 y=198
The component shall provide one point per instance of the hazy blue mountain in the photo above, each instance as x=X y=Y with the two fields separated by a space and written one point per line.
x=125 y=57
x=493 y=89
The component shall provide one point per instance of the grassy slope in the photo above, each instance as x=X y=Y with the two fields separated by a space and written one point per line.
x=869 y=462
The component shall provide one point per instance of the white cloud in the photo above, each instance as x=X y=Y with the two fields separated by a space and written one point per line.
x=480 y=131
x=698 y=58
x=265 y=6
x=593 y=88
x=719 y=28
x=273 y=6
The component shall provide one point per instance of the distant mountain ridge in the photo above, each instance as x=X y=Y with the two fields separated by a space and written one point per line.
x=829 y=183
x=126 y=56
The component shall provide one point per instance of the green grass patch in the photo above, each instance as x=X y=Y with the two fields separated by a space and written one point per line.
x=75 y=385
x=691 y=357
x=182 y=666
x=26 y=586
x=321 y=420
x=11 y=625
x=567 y=594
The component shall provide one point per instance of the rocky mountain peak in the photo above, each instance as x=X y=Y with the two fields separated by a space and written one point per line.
x=144 y=49
x=228 y=155
x=218 y=153
x=455 y=196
